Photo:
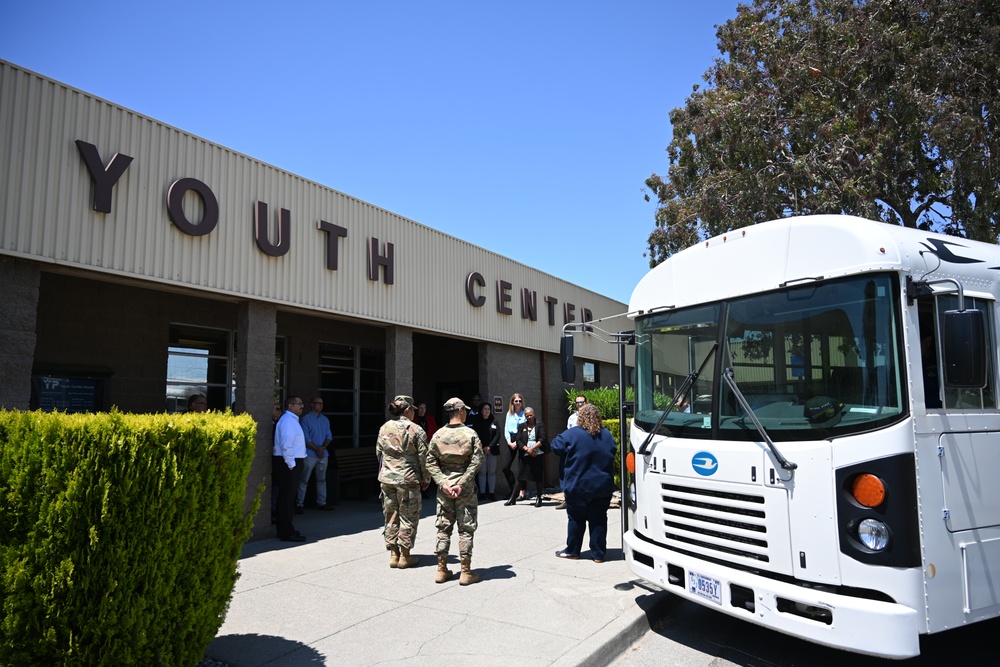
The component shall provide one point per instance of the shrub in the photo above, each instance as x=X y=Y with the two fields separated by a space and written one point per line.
x=613 y=426
x=605 y=398
x=119 y=534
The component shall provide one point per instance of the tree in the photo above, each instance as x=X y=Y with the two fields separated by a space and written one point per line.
x=885 y=109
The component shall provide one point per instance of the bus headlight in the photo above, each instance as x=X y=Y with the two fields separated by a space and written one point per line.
x=873 y=534
x=631 y=493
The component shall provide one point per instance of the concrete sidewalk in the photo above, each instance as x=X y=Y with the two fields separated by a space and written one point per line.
x=334 y=600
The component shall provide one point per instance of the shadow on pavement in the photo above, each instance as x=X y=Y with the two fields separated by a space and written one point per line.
x=613 y=554
x=743 y=644
x=251 y=650
x=349 y=517
x=495 y=572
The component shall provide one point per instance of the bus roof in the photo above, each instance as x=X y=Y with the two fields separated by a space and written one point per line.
x=769 y=255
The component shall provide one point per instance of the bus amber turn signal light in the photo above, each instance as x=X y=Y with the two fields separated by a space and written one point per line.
x=630 y=463
x=868 y=490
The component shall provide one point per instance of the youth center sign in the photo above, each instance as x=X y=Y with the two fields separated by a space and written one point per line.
x=106 y=177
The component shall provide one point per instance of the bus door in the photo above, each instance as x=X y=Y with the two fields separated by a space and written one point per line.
x=963 y=428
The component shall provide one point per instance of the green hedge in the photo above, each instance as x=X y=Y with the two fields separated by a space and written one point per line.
x=613 y=425
x=119 y=534
x=606 y=399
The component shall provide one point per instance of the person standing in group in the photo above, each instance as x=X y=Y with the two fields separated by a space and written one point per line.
x=489 y=436
x=289 y=454
x=316 y=428
x=429 y=424
x=589 y=481
x=531 y=441
x=515 y=417
x=578 y=403
x=477 y=402
x=402 y=453
x=453 y=459
x=425 y=420
x=197 y=403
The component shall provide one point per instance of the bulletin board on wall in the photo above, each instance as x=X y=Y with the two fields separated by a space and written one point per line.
x=69 y=392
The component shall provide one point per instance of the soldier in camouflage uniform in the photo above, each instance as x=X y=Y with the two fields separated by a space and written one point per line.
x=402 y=454
x=453 y=459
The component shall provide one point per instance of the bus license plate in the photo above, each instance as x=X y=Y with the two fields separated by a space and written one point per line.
x=705 y=587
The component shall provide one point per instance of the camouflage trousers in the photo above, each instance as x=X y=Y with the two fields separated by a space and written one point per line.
x=401 y=506
x=463 y=510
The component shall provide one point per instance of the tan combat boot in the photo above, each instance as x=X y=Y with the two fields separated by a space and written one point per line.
x=443 y=573
x=405 y=559
x=393 y=556
x=467 y=577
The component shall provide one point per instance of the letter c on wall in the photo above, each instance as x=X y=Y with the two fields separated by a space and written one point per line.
x=175 y=207
x=471 y=280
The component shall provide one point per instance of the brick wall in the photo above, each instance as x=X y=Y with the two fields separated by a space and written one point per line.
x=88 y=325
x=18 y=313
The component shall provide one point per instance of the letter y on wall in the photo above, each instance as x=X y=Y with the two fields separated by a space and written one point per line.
x=104 y=178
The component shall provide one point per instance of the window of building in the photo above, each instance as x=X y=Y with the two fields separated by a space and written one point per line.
x=199 y=360
x=591 y=373
x=352 y=384
x=371 y=396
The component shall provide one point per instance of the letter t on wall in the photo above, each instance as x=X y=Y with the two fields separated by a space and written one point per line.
x=333 y=233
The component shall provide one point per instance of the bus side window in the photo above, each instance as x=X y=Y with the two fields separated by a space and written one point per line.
x=929 y=357
x=961 y=398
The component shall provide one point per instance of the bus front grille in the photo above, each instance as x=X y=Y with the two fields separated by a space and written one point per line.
x=721 y=522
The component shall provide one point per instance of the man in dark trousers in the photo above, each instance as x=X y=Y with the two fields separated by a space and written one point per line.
x=289 y=455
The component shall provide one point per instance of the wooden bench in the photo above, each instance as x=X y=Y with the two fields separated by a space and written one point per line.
x=356 y=463
x=357 y=469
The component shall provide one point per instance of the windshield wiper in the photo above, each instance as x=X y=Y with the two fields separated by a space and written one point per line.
x=688 y=381
x=731 y=381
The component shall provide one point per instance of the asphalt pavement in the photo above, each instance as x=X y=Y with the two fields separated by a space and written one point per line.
x=333 y=600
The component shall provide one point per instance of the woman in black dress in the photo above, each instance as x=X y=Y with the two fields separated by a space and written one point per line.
x=532 y=443
x=489 y=435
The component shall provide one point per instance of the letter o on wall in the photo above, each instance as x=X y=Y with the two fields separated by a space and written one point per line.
x=175 y=208
x=474 y=278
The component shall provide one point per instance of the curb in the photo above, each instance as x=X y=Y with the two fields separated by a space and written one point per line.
x=616 y=637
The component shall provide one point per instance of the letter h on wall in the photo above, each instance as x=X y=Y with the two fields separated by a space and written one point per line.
x=375 y=260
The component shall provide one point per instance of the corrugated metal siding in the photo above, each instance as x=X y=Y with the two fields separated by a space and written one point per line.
x=47 y=215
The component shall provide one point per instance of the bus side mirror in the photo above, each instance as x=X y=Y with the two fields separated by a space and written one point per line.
x=964 y=349
x=566 y=359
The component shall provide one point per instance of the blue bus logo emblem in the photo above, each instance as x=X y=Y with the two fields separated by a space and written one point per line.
x=704 y=463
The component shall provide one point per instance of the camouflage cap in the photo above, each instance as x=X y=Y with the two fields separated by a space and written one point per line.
x=406 y=400
x=455 y=404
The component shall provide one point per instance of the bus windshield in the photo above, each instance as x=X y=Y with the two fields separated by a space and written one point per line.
x=813 y=361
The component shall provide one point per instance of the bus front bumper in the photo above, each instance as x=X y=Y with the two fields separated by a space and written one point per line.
x=872 y=627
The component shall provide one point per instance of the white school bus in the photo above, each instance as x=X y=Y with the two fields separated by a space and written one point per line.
x=815 y=444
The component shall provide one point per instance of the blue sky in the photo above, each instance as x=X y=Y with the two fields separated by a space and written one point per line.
x=527 y=128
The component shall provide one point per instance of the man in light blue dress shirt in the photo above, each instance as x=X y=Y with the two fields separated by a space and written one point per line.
x=316 y=428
